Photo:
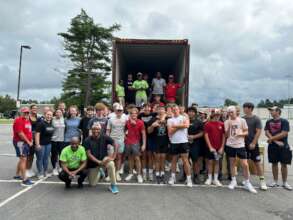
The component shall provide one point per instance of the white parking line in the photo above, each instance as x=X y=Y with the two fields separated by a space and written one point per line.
x=8 y=155
x=20 y=192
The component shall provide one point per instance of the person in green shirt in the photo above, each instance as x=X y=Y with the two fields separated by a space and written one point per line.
x=140 y=86
x=73 y=161
x=120 y=92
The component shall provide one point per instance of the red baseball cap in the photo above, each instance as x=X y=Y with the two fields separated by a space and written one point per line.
x=25 y=110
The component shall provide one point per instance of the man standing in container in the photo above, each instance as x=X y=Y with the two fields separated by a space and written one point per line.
x=140 y=86
x=158 y=85
x=171 y=89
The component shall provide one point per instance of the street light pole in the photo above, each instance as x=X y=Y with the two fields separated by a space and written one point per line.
x=19 y=70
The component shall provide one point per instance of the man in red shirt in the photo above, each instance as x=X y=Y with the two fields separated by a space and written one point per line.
x=214 y=134
x=22 y=141
x=171 y=89
x=135 y=134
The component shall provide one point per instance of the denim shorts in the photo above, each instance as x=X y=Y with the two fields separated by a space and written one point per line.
x=21 y=149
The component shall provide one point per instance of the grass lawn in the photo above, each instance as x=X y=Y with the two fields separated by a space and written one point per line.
x=6 y=121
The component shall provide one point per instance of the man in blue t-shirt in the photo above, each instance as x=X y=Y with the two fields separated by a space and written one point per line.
x=277 y=130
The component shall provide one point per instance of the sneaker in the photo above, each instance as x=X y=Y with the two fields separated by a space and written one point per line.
x=114 y=189
x=232 y=184
x=250 y=187
x=287 y=186
x=177 y=168
x=217 y=183
x=28 y=174
x=134 y=172
x=68 y=185
x=273 y=184
x=107 y=179
x=151 y=177
x=208 y=182
x=144 y=176
x=17 y=177
x=32 y=173
x=139 y=178
x=55 y=172
x=40 y=176
x=189 y=183
x=263 y=185
x=27 y=182
x=128 y=177
x=60 y=169
x=118 y=177
x=171 y=181
x=79 y=185
x=158 y=179
x=162 y=179
x=121 y=171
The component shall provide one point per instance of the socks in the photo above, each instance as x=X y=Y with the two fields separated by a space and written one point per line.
x=157 y=173
x=188 y=178
x=210 y=177
x=162 y=173
x=173 y=175
x=233 y=178
x=144 y=171
x=216 y=176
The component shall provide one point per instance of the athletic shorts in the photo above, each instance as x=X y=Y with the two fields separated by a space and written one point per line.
x=121 y=146
x=132 y=149
x=21 y=149
x=194 y=152
x=236 y=152
x=253 y=154
x=161 y=148
x=150 y=146
x=176 y=149
x=278 y=154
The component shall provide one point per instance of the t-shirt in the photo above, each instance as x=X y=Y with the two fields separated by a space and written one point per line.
x=215 y=131
x=34 y=122
x=140 y=86
x=59 y=129
x=180 y=136
x=277 y=126
x=146 y=118
x=71 y=128
x=46 y=131
x=171 y=91
x=83 y=126
x=21 y=124
x=117 y=128
x=253 y=123
x=133 y=132
x=158 y=86
x=233 y=127
x=196 y=126
x=98 y=147
x=72 y=158
x=120 y=91
x=160 y=134
x=101 y=120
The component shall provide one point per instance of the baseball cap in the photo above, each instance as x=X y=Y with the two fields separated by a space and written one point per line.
x=139 y=74
x=171 y=76
x=25 y=110
x=215 y=111
x=274 y=108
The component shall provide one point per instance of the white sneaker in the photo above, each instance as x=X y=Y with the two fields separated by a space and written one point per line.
x=217 y=183
x=287 y=186
x=107 y=179
x=118 y=177
x=40 y=176
x=121 y=171
x=151 y=177
x=171 y=181
x=139 y=178
x=144 y=176
x=55 y=172
x=263 y=185
x=28 y=174
x=208 y=182
x=128 y=177
x=134 y=172
x=189 y=183
x=232 y=184
x=273 y=184
x=60 y=169
x=248 y=186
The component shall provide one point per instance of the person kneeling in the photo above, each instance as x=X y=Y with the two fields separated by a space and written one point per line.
x=73 y=161
x=101 y=155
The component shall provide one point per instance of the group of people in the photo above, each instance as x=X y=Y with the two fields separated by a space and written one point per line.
x=150 y=140
x=141 y=91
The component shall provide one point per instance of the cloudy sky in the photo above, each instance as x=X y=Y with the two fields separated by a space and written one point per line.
x=239 y=49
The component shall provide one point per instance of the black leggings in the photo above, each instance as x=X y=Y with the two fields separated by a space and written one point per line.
x=57 y=147
x=65 y=177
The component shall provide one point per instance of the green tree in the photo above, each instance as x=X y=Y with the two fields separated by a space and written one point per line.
x=88 y=46
x=7 y=104
x=229 y=102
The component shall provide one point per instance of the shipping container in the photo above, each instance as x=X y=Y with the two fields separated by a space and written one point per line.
x=131 y=56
